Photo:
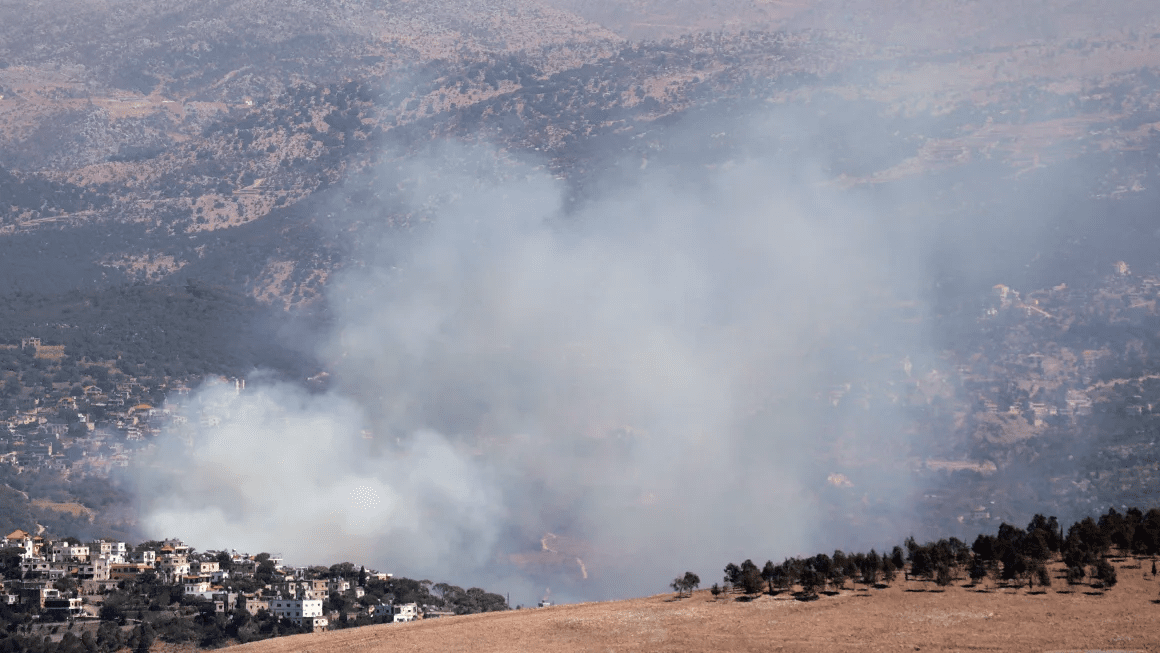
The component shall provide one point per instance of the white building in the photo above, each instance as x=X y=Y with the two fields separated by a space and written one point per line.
x=21 y=539
x=174 y=567
x=301 y=611
x=115 y=552
x=174 y=545
x=307 y=589
x=96 y=569
x=406 y=612
x=65 y=552
x=146 y=557
x=35 y=567
x=197 y=586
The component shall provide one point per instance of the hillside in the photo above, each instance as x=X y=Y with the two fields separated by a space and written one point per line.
x=209 y=140
x=906 y=616
x=873 y=256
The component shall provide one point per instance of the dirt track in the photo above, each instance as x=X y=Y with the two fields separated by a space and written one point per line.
x=905 y=617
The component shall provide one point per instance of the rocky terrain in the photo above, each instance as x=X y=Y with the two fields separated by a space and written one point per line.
x=231 y=120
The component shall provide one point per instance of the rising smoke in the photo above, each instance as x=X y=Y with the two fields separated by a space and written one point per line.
x=696 y=367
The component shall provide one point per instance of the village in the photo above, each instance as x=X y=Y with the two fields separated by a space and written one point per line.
x=71 y=422
x=58 y=580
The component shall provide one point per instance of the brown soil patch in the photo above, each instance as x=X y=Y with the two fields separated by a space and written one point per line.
x=985 y=467
x=50 y=352
x=75 y=509
x=152 y=266
x=907 y=616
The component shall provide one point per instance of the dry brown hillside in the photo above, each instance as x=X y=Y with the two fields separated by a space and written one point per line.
x=907 y=616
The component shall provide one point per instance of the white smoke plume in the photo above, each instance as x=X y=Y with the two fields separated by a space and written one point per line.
x=594 y=400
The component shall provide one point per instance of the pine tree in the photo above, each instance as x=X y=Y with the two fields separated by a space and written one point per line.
x=1075 y=575
x=1105 y=572
x=1043 y=575
x=943 y=576
x=888 y=571
x=732 y=575
x=750 y=577
x=691 y=582
x=769 y=574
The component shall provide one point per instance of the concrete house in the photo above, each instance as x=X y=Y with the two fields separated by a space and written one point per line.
x=304 y=612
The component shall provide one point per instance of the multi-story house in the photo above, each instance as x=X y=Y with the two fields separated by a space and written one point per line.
x=128 y=571
x=113 y=551
x=96 y=569
x=41 y=568
x=304 y=612
x=173 y=567
x=66 y=552
x=61 y=608
x=224 y=602
x=204 y=567
x=305 y=589
x=197 y=585
x=244 y=566
x=256 y=605
x=21 y=539
x=145 y=557
x=406 y=612
x=174 y=545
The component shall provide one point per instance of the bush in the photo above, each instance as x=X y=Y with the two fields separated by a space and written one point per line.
x=1075 y=575
x=110 y=612
x=1105 y=572
x=751 y=581
x=978 y=570
x=943 y=576
x=1043 y=576
x=888 y=571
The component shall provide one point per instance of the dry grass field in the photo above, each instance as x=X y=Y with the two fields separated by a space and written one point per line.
x=73 y=508
x=905 y=617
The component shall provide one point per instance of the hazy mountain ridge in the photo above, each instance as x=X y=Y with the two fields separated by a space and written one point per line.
x=230 y=166
x=221 y=50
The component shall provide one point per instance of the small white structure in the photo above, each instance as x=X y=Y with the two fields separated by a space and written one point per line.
x=406 y=612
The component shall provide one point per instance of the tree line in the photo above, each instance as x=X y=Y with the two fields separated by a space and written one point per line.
x=1013 y=555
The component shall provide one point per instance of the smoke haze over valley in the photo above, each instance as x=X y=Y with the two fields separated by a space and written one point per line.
x=577 y=295
x=637 y=371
